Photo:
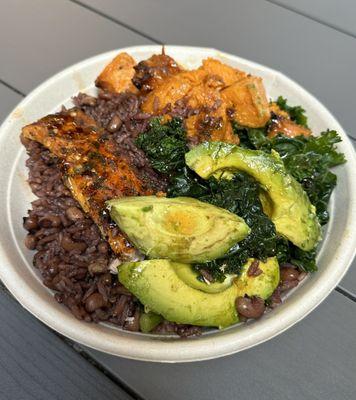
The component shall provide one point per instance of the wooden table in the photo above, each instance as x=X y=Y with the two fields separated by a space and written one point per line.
x=312 y=42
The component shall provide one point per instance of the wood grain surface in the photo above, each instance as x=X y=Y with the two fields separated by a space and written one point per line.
x=36 y=364
x=312 y=42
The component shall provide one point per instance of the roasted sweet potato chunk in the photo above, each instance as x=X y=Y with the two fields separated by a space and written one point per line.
x=281 y=123
x=286 y=127
x=248 y=99
x=151 y=73
x=117 y=75
x=226 y=73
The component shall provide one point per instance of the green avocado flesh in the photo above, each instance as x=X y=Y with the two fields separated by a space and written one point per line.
x=190 y=276
x=156 y=284
x=181 y=229
x=149 y=321
x=292 y=213
x=261 y=285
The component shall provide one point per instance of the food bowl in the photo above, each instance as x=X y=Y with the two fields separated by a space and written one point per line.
x=17 y=273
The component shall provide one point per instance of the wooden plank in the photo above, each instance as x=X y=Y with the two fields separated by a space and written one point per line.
x=338 y=14
x=316 y=56
x=36 y=364
x=313 y=360
x=349 y=282
x=8 y=99
x=288 y=371
x=40 y=37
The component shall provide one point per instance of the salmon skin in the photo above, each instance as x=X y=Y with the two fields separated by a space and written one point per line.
x=92 y=168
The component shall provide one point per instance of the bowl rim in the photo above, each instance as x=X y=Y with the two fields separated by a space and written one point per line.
x=148 y=348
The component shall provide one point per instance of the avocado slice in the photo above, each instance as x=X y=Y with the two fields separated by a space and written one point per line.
x=190 y=276
x=262 y=285
x=156 y=284
x=292 y=213
x=181 y=229
x=148 y=321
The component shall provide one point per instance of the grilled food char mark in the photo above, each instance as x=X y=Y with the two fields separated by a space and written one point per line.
x=92 y=168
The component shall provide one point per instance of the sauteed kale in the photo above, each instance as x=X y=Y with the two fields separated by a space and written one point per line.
x=296 y=113
x=164 y=144
x=308 y=159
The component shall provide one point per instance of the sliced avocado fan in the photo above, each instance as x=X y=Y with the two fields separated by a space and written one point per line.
x=158 y=284
x=181 y=229
x=292 y=213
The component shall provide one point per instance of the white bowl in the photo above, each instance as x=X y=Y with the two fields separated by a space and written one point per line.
x=24 y=282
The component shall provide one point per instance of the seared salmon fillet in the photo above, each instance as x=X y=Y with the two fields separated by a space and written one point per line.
x=92 y=168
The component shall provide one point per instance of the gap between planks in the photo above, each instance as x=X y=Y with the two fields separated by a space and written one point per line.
x=317 y=20
x=68 y=342
x=76 y=347
x=115 y=21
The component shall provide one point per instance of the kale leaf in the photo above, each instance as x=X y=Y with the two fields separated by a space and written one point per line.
x=296 y=113
x=164 y=144
x=322 y=146
x=186 y=182
x=308 y=159
x=304 y=260
x=250 y=138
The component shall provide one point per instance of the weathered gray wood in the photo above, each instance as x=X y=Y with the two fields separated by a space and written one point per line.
x=40 y=37
x=8 y=100
x=339 y=14
x=318 y=57
x=349 y=282
x=36 y=364
x=313 y=360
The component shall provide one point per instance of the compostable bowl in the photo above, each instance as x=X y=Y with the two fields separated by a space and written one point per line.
x=16 y=270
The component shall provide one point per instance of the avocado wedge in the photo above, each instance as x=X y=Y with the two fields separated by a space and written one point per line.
x=292 y=213
x=190 y=276
x=161 y=286
x=181 y=229
x=262 y=285
x=148 y=321
x=156 y=284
